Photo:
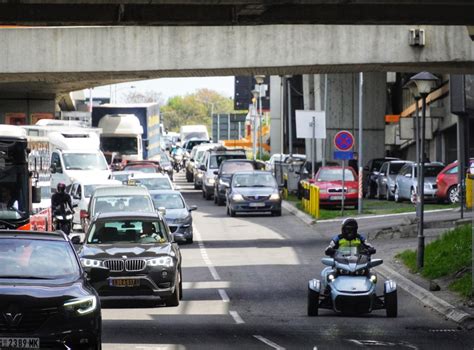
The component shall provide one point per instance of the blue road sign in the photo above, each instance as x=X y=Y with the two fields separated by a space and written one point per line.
x=343 y=141
x=342 y=155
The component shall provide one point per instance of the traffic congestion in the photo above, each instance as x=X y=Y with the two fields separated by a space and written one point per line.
x=122 y=234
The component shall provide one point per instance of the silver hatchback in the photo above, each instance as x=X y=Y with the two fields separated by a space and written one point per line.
x=407 y=181
x=386 y=178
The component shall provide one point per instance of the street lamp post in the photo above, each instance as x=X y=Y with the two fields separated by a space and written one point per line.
x=424 y=82
x=255 y=94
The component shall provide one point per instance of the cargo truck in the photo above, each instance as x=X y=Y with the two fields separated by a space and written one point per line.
x=147 y=113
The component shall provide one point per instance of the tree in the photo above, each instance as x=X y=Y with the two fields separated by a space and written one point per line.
x=194 y=108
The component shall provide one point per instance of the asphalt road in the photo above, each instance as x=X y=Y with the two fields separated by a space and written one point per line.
x=245 y=282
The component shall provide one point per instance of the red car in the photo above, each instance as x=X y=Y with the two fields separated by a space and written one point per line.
x=447 y=181
x=329 y=181
x=144 y=166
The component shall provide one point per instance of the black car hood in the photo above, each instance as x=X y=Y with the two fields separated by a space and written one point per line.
x=172 y=214
x=38 y=294
x=104 y=251
x=254 y=191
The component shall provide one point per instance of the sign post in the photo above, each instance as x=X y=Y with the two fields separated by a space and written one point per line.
x=343 y=142
x=311 y=125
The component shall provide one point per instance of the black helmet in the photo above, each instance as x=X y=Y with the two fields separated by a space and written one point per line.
x=349 y=228
x=61 y=187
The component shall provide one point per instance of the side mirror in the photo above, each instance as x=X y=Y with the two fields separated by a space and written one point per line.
x=328 y=261
x=36 y=194
x=192 y=207
x=192 y=160
x=375 y=262
x=76 y=240
x=98 y=274
x=162 y=210
x=52 y=168
x=202 y=167
x=366 y=168
x=216 y=172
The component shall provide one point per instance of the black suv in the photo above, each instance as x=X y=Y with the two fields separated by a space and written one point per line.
x=138 y=248
x=225 y=172
x=46 y=300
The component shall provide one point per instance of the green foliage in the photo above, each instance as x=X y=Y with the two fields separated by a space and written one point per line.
x=445 y=257
x=194 y=108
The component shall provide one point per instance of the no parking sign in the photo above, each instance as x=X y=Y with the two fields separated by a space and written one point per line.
x=343 y=142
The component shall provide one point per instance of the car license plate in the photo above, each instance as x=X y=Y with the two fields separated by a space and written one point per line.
x=19 y=343
x=256 y=205
x=336 y=198
x=125 y=282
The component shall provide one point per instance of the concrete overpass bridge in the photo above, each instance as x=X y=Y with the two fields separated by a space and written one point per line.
x=58 y=60
x=234 y=12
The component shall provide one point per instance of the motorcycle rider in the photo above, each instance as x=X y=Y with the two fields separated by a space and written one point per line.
x=61 y=202
x=349 y=237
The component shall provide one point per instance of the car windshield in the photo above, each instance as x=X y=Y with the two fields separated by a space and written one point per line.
x=395 y=168
x=233 y=167
x=37 y=259
x=216 y=160
x=199 y=155
x=149 y=169
x=253 y=180
x=84 y=161
x=168 y=200
x=156 y=183
x=120 y=177
x=335 y=175
x=431 y=170
x=107 y=204
x=127 y=231
x=377 y=163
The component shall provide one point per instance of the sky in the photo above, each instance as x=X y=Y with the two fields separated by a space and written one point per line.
x=169 y=87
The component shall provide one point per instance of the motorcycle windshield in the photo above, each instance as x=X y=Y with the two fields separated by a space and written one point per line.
x=351 y=255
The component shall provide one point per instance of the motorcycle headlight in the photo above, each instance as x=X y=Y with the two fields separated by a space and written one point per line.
x=59 y=217
x=81 y=306
x=373 y=279
x=360 y=272
x=90 y=262
x=211 y=181
x=165 y=261
x=237 y=197
x=331 y=277
x=199 y=175
x=275 y=197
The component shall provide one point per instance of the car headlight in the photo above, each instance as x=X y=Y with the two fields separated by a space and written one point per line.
x=237 y=197
x=90 y=262
x=223 y=183
x=275 y=197
x=81 y=306
x=211 y=181
x=352 y=190
x=165 y=261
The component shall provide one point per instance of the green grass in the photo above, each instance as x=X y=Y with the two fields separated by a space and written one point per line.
x=372 y=206
x=445 y=257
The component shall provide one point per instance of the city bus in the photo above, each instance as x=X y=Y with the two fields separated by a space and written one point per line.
x=16 y=191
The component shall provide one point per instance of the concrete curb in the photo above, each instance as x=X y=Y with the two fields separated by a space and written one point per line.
x=426 y=297
x=307 y=219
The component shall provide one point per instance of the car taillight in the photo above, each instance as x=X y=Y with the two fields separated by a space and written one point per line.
x=84 y=214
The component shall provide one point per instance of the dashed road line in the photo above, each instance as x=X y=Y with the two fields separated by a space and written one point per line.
x=205 y=256
x=236 y=317
x=269 y=342
x=224 y=296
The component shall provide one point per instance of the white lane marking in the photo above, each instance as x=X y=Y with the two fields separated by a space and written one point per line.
x=206 y=285
x=367 y=343
x=236 y=317
x=205 y=256
x=385 y=215
x=269 y=342
x=224 y=296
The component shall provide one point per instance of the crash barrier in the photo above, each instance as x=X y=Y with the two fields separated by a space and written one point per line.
x=469 y=190
x=310 y=198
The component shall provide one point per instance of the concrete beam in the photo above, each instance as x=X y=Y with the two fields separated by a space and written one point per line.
x=65 y=59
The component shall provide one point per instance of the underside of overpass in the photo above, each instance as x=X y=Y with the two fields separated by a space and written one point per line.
x=235 y=12
x=59 y=60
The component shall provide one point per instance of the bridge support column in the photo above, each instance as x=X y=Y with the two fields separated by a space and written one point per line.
x=276 y=114
x=20 y=109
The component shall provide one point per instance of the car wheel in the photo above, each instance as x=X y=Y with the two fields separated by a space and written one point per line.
x=190 y=240
x=453 y=195
x=276 y=213
x=391 y=304
x=203 y=194
x=397 y=195
x=232 y=212
x=313 y=303
x=228 y=212
x=413 y=196
x=173 y=300
x=189 y=176
x=215 y=199
x=207 y=196
x=196 y=187
x=181 y=284
x=220 y=201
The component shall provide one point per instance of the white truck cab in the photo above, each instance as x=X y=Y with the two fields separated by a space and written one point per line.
x=76 y=155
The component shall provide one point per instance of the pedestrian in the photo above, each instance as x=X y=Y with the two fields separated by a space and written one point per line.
x=354 y=162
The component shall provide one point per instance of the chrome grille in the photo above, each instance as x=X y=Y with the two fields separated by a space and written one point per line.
x=114 y=265
x=135 y=264
x=256 y=198
x=336 y=190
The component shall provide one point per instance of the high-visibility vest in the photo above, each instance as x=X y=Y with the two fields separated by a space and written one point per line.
x=346 y=243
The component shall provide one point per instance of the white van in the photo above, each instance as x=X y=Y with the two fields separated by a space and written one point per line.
x=76 y=156
x=193 y=131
